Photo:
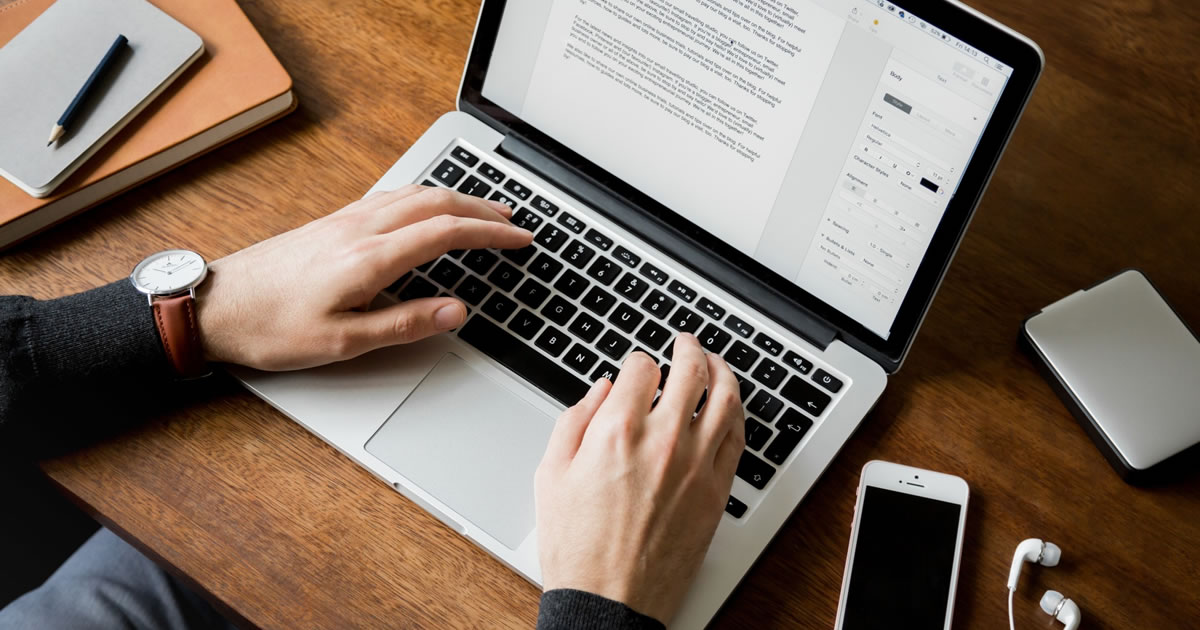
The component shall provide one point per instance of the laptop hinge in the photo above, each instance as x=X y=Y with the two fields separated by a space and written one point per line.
x=675 y=243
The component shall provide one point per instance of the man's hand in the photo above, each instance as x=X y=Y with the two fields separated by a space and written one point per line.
x=628 y=498
x=299 y=299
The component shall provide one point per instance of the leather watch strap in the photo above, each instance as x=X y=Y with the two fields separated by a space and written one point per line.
x=175 y=318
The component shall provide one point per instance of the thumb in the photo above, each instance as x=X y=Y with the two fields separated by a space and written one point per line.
x=407 y=322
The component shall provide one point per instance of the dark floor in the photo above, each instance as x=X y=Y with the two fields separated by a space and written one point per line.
x=39 y=529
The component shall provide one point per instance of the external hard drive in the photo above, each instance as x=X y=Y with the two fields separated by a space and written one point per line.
x=1128 y=368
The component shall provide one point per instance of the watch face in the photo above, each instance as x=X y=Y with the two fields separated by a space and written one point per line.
x=169 y=272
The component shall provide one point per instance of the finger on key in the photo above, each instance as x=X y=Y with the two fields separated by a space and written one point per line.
x=687 y=381
x=432 y=202
x=423 y=241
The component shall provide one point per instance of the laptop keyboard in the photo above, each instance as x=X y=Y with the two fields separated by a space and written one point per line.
x=567 y=310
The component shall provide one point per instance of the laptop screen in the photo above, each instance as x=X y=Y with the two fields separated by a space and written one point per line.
x=823 y=141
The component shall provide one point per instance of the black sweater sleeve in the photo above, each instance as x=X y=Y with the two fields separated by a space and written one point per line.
x=569 y=609
x=92 y=353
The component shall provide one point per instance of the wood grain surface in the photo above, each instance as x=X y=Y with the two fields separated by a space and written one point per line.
x=1101 y=175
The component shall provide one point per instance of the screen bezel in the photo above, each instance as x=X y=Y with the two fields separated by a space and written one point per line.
x=900 y=478
x=1000 y=44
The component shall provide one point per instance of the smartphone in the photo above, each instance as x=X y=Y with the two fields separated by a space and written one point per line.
x=905 y=543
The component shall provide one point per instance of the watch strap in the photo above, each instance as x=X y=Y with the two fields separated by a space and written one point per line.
x=175 y=318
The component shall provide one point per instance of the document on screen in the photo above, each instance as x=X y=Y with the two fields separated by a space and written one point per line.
x=715 y=93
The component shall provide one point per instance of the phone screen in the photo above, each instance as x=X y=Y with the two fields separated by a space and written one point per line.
x=903 y=562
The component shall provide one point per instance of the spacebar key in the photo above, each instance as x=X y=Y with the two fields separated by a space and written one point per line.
x=547 y=375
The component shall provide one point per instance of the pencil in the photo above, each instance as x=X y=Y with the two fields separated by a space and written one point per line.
x=65 y=120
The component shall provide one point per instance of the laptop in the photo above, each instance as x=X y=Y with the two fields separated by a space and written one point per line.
x=787 y=181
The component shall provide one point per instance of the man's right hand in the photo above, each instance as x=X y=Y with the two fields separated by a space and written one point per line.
x=629 y=497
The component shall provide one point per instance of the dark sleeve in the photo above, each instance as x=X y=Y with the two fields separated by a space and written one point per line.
x=73 y=355
x=569 y=609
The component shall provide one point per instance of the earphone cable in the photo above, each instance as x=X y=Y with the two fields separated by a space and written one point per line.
x=1011 y=625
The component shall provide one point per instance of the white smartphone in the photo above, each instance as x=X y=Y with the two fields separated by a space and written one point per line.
x=902 y=566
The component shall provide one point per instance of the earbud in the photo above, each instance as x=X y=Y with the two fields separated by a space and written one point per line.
x=1036 y=550
x=1061 y=609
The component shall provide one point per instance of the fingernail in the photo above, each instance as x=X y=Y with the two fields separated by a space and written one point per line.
x=502 y=208
x=447 y=317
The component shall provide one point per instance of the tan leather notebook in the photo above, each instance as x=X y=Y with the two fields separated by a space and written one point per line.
x=235 y=87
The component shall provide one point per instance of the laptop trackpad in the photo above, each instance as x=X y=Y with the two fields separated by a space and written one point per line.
x=471 y=443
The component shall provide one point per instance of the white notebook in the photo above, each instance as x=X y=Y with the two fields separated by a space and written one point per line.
x=44 y=66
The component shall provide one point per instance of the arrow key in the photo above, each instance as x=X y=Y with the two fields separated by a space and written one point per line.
x=805 y=396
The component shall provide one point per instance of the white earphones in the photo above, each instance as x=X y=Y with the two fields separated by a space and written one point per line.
x=1046 y=554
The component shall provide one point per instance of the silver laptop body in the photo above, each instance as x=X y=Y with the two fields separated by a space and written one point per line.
x=458 y=423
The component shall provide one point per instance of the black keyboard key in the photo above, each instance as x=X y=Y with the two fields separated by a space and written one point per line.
x=792 y=428
x=571 y=284
x=578 y=254
x=472 y=290
x=506 y=276
x=571 y=223
x=735 y=508
x=456 y=253
x=519 y=190
x=828 y=381
x=559 y=310
x=631 y=287
x=480 y=261
x=526 y=324
x=757 y=434
x=548 y=376
x=448 y=173
x=745 y=386
x=586 y=327
x=754 y=471
x=545 y=267
x=606 y=370
x=499 y=307
x=613 y=345
x=658 y=304
x=741 y=356
x=580 y=359
x=626 y=257
x=765 y=406
x=769 y=373
x=532 y=294
x=599 y=301
x=685 y=320
x=805 y=396
x=653 y=335
x=681 y=291
x=714 y=339
x=738 y=326
x=772 y=347
x=626 y=318
x=523 y=218
x=464 y=156
x=664 y=371
x=710 y=308
x=519 y=256
x=604 y=271
x=446 y=273
x=553 y=341
x=504 y=199
x=797 y=362
x=429 y=182
x=417 y=289
x=552 y=238
x=475 y=187
x=490 y=172
x=599 y=240
x=395 y=286
x=652 y=272
x=423 y=267
x=540 y=204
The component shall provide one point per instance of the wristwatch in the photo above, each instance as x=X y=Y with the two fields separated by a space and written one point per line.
x=169 y=280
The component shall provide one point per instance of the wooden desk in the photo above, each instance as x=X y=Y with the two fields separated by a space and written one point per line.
x=1101 y=175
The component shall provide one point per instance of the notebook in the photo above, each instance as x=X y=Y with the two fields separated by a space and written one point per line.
x=44 y=66
x=236 y=86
